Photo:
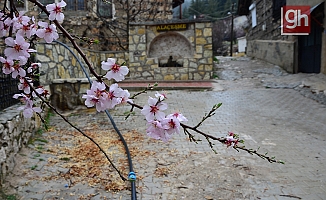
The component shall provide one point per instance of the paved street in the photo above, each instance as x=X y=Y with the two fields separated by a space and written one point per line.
x=261 y=103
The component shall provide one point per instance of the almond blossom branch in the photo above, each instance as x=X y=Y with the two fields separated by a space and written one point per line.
x=149 y=87
x=76 y=128
x=255 y=152
x=231 y=140
x=210 y=114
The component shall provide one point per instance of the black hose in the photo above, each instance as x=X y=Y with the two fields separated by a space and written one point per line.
x=131 y=175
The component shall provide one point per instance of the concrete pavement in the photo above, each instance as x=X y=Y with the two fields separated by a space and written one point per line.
x=279 y=120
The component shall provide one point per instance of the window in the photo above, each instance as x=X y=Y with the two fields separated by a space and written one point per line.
x=277 y=4
x=75 y=5
x=104 y=8
x=252 y=9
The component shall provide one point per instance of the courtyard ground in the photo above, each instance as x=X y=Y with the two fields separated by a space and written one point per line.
x=279 y=113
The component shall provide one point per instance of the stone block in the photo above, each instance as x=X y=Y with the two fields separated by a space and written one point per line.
x=43 y=58
x=141 y=31
x=202 y=61
x=149 y=61
x=132 y=47
x=193 y=65
x=207 y=32
x=49 y=54
x=201 y=41
x=200 y=25
x=184 y=77
x=169 y=77
x=201 y=67
x=136 y=39
x=40 y=49
x=208 y=53
x=197 y=76
x=208 y=46
x=208 y=67
x=208 y=75
x=141 y=47
x=199 y=32
x=135 y=64
x=199 y=49
x=146 y=74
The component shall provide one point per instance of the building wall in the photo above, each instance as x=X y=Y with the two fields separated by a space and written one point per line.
x=323 y=48
x=278 y=52
x=197 y=66
x=264 y=41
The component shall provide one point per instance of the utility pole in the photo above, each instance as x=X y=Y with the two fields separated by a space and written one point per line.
x=231 y=37
x=180 y=10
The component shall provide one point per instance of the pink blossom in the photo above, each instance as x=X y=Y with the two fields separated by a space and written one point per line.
x=116 y=71
x=160 y=96
x=124 y=95
x=171 y=125
x=97 y=96
x=29 y=108
x=28 y=29
x=231 y=140
x=179 y=116
x=19 y=47
x=155 y=130
x=40 y=90
x=4 y=26
x=33 y=67
x=48 y=33
x=114 y=95
x=17 y=66
x=7 y=65
x=23 y=85
x=19 y=21
x=154 y=109
x=55 y=10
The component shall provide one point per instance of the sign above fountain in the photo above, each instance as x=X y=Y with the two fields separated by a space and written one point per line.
x=171 y=27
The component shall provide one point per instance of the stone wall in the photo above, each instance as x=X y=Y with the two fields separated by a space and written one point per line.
x=264 y=41
x=15 y=132
x=281 y=53
x=59 y=63
x=62 y=74
x=190 y=48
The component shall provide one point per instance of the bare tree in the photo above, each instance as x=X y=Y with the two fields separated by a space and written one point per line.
x=113 y=32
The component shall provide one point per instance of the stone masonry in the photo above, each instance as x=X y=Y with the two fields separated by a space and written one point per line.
x=191 y=48
x=15 y=132
x=62 y=74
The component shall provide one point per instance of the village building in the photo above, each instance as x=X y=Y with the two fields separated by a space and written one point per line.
x=294 y=53
x=142 y=34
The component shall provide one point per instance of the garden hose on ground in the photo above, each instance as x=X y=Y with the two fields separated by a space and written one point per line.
x=131 y=175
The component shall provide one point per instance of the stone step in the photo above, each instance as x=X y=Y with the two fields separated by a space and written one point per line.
x=167 y=85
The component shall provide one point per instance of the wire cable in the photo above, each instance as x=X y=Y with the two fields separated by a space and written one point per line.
x=131 y=175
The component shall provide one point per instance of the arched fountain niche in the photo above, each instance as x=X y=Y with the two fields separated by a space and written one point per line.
x=170 y=49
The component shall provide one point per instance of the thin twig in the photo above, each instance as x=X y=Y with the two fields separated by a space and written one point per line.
x=76 y=128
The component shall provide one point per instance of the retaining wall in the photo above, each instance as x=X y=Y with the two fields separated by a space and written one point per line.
x=15 y=132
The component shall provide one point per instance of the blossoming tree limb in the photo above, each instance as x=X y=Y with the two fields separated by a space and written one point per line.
x=20 y=31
